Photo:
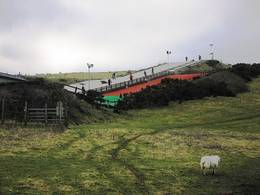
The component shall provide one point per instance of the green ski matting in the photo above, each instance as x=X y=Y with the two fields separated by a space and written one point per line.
x=111 y=100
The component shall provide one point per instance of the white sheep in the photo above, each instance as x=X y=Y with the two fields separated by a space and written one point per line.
x=209 y=162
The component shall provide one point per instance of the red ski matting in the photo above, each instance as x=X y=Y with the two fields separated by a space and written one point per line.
x=139 y=87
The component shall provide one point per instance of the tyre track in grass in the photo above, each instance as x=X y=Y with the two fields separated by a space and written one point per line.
x=103 y=168
x=122 y=143
x=140 y=178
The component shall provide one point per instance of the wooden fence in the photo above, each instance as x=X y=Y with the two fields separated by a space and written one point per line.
x=46 y=115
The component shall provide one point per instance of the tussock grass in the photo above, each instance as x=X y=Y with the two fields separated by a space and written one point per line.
x=151 y=151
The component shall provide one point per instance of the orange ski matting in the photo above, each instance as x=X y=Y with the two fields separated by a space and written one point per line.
x=139 y=87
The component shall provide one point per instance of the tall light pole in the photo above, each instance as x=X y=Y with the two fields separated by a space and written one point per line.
x=211 y=51
x=168 y=54
x=89 y=66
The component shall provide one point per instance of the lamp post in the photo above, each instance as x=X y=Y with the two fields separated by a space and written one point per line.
x=211 y=51
x=168 y=54
x=89 y=66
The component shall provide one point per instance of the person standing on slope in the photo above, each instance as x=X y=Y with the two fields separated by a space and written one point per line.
x=131 y=77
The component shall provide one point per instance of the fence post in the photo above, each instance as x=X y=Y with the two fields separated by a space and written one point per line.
x=3 y=111
x=66 y=117
x=46 y=114
x=25 y=112
x=59 y=111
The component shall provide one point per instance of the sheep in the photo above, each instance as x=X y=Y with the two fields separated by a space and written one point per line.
x=209 y=162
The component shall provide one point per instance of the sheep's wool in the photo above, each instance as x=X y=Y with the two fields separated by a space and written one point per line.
x=209 y=162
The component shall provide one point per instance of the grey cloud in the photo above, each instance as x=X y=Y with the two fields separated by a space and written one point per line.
x=61 y=35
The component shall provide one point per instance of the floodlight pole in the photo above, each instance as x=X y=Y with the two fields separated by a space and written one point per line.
x=89 y=66
x=211 y=51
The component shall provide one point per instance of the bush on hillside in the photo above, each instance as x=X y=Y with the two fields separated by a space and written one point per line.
x=242 y=70
x=92 y=97
x=38 y=92
x=182 y=90
x=234 y=83
x=255 y=69
x=212 y=63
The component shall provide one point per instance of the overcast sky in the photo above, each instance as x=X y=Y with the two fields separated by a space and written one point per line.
x=40 y=36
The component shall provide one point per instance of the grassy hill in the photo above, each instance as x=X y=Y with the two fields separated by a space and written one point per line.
x=207 y=66
x=152 y=151
x=79 y=76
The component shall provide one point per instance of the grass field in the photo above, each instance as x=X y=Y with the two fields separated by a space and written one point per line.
x=153 y=151
x=79 y=76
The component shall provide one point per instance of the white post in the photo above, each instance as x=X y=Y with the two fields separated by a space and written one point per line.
x=89 y=66
x=88 y=78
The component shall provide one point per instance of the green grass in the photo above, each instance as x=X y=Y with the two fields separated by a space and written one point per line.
x=152 y=151
x=204 y=67
x=196 y=69
x=79 y=76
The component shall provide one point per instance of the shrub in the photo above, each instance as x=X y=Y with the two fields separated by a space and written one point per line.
x=182 y=90
x=37 y=92
x=242 y=70
x=255 y=69
x=92 y=97
x=212 y=63
x=234 y=83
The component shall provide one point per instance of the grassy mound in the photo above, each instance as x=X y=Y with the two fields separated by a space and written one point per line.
x=153 y=151
x=39 y=92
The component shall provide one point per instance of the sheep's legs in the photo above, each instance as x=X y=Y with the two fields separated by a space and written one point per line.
x=213 y=172
x=203 y=171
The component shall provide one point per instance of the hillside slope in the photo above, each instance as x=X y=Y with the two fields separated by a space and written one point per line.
x=152 y=151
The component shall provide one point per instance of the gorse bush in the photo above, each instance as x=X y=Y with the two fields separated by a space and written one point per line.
x=246 y=71
x=255 y=69
x=233 y=82
x=218 y=84
x=222 y=83
x=212 y=63
x=92 y=97
x=242 y=70
x=38 y=92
